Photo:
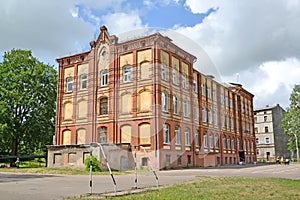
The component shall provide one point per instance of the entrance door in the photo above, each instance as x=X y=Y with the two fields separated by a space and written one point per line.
x=268 y=156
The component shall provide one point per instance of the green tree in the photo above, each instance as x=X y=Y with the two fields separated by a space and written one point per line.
x=291 y=120
x=27 y=103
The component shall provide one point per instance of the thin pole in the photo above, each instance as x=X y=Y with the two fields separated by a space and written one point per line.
x=135 y=168
x=153 y=171
x=91 y=169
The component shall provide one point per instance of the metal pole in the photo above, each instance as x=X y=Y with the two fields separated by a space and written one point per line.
x=135 y=168
x=297 y=148
x=91 y=169
x=107 y=164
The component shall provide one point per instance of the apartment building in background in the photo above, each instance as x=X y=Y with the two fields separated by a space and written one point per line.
x=144 y=95
x=271 y=141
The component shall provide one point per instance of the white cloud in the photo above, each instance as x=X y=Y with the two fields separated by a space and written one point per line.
x=258 y=39
x=122 y=22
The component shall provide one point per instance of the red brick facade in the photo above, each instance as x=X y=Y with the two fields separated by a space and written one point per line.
x=146 y=92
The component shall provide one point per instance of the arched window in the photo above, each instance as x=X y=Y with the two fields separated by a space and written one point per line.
x=209 y=116
x=224 y=142
x=216 y=139
x=104 y=77
x=82 y=109
x=145 y=101
x=204 y=114
x=127 y=74
x=102 y=132
x=69 y=83
x=164 y=73
x=103 y=106
x=197 y=139
x=68 y=111
x=145 y=70
x=83 y=81
x=211 y=141
x=126 y=103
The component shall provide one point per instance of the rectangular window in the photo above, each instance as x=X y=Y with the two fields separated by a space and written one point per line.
x=211 y=141
x=83 y=81
x=204 y=114
x=267 y=140
x=177 y=135
x=257 y=140
x=195 y=86
x=203 y=89
x=187 y=137
x=175 y=105
x=184 y=84
x=186 y=112
x=126 y=74
x=69 y=84
x=104 y=78
x=209 y=92
x=197 y=139
x=265 y=118
x=205 y=140
x=216 y=138
x=175 y=78
x=196 y=112
x=266 y=129
x=164 y=72
x=166 y=134
x=164 y=101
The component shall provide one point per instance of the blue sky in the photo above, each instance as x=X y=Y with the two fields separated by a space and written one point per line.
x=262 y=46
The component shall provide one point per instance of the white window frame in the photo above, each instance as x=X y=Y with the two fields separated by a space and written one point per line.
x=195 y=86
x=175 y=105
x=187 y=137
x=184 y=81
x=186 y=112
x=104 y=77
x=175 y=76
x=177 y=135
x=83 y=82
x=164 y=102
x=211 y=141
x=69 y=83
x=126 y=73
x=267 y=140
x=166 y=129
x=197 y=144
x=205 y=140
x=196 y=112
x=204 y=119
x=164 y=72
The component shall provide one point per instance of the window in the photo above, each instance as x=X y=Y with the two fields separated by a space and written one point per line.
x=267 y=140
x=126 y=74
x=83 y=81
x=69 y=84
x=197 y=139
x=102 y=131
x=184 y=84
x=196 y=112
x=189 y=159
x=203 y=89
x=104 y=78
x=209 y=116
x=215 y=118
x=164 y=102
x=205 y=139
x=257 y=140
x=204 y=114
x=166 y=129
x=186 y=112
x=209 y=92
x=265 y=118
x=214 y=95
x=216 y=138
x=223 y=120
x=266 y=129
x=175 y=78
x=232 y=144
x=177 y=135
x=145 y=161
x=103 y=106
x=175 y=105
x=228 y=142
x=187 y=137
x=211 y=141
x=224 y=142
x=238 y=144
x=164 y=72
x=195 y=86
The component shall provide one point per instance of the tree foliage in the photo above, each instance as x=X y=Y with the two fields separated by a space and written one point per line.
x=27 y=103
x=291 y=120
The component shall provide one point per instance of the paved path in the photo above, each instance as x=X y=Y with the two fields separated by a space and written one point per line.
x=49 y=187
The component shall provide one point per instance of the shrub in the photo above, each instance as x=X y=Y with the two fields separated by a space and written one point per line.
x=95 y=164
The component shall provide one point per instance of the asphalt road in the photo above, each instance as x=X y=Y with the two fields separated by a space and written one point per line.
x=48 y=187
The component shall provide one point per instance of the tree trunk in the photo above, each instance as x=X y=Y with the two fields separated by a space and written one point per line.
x=14 y=146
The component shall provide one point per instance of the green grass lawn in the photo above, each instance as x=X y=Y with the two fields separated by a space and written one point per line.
x=222 y=188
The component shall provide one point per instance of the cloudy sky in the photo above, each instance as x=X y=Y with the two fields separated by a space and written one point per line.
x=253 y=42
